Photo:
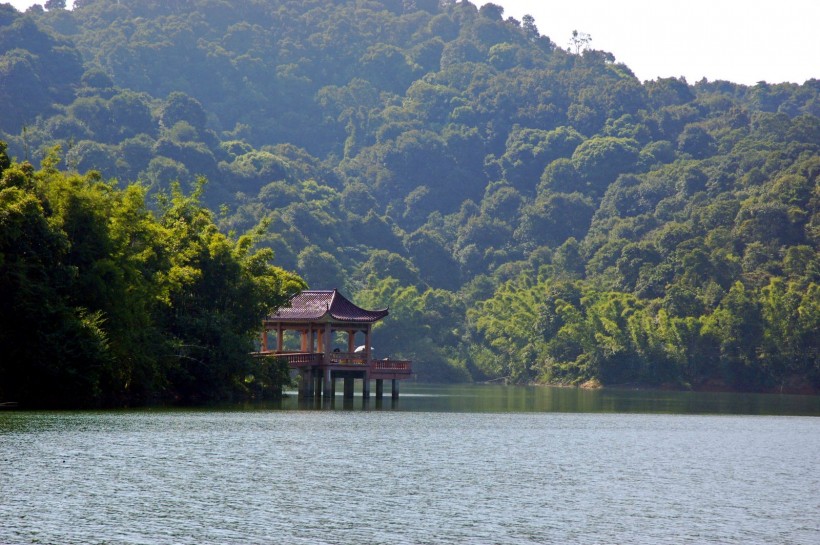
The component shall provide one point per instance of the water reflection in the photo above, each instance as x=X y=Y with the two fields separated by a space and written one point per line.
x=542 y=399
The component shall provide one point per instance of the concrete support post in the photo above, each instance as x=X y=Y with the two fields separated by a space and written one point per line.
x=328 y=388
x=304 y=382
x=379 y=388
x=348 y=393
x=311 y=383
x=366 y=385
x=319 y=378
x=395 y=392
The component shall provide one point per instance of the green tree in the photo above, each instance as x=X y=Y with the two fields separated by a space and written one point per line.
x=579 y=41
x=181 y=107
x=321 y=270
x=216 y=293
x=600 y=160
x=737 y=325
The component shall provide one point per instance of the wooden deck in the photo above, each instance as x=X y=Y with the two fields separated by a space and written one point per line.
x=318 y=374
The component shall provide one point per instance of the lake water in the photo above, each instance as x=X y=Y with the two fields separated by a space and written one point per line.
x=482 y=464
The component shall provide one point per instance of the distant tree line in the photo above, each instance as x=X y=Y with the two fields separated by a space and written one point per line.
x=528 y=212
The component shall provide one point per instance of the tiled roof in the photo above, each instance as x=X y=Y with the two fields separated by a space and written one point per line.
x=315 y=304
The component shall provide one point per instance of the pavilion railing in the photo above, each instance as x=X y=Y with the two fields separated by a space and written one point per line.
x=393 y=366
x=301 y=359
x=306 y=359
x=348 y=358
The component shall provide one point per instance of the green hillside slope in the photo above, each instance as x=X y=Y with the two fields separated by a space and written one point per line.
x=529 y=213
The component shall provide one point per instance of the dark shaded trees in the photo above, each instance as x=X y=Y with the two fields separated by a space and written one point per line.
x=111 y=304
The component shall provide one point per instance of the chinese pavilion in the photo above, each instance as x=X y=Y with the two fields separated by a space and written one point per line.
x=316 y=315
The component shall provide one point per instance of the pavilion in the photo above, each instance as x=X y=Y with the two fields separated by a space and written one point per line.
x=316 y=315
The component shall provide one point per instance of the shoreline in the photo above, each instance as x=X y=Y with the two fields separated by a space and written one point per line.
x=713 y=386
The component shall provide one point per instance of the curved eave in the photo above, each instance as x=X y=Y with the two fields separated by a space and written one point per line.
x=372 y=316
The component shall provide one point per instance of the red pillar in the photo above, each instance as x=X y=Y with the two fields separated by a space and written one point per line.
x=351 y=340
x=326 y=336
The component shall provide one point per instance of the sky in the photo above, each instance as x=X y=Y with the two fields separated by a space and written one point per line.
x=740 y=41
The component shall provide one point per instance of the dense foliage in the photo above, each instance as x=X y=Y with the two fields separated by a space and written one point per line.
x=528 y=212
x=107 y=303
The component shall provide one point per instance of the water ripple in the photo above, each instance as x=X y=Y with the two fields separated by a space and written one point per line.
x=395 y=477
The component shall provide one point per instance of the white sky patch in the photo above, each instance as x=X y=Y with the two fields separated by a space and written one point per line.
x=743 y=42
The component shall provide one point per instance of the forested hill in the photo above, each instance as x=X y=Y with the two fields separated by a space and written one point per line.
x=529 y=211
